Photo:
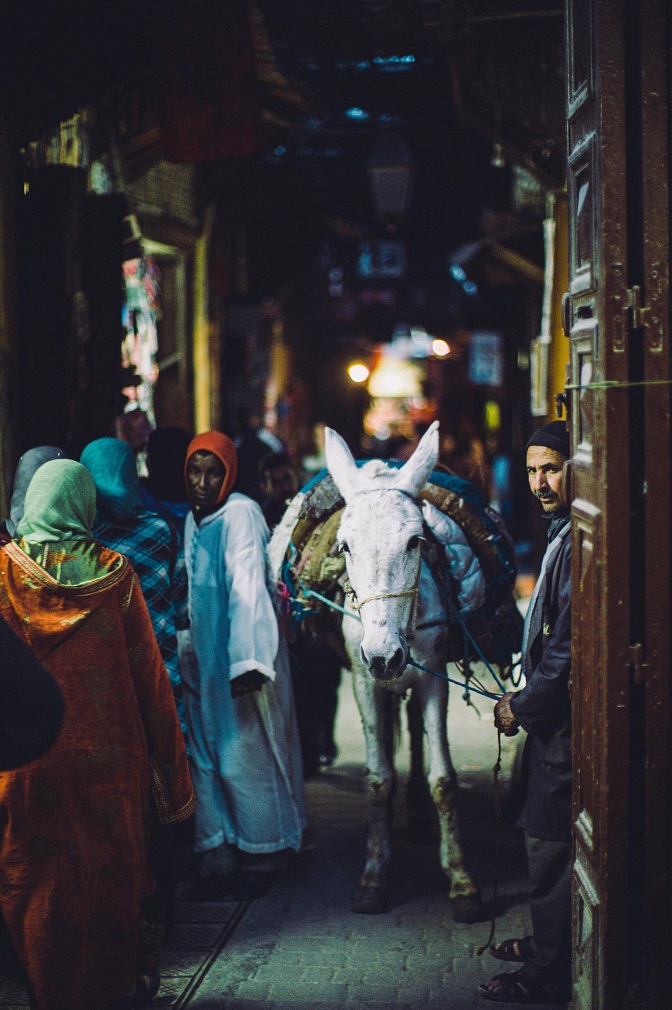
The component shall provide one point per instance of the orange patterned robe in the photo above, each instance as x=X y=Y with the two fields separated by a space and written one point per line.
x=74 y=824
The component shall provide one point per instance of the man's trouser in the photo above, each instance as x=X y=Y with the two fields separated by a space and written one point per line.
x=550 y=867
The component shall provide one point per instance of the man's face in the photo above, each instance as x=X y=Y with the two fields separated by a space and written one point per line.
x=205 y=475
x=544 y=472
x=279 y=483
x=134 y=428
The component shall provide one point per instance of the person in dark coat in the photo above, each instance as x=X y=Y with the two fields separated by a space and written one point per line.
x=315 y=666
x=543 y=710
x=278 y=484
x=31 y=703
x=31 y=714
x=163 y=489
x=252 y=443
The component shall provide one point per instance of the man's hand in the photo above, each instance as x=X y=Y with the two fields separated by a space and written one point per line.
x=247 y=683
x=505 y=720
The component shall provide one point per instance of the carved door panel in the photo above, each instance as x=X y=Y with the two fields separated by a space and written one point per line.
x=650 y=827
x=617 y=112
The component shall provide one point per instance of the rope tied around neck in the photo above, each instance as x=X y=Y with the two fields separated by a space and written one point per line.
x=411 y=591
x=358 y=604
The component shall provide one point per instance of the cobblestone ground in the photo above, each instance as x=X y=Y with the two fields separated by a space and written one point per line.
x=301 y=946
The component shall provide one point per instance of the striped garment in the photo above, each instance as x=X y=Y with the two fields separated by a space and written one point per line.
x=151 y=545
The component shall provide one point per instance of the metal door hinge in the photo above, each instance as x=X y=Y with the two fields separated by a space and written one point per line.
x=638 y=667
x=567 y=314
x=561 y=403
x=637 y=311
x=618 y=308
x=648 y=318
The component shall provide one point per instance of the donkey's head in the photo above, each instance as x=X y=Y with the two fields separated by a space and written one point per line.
x=380 y=535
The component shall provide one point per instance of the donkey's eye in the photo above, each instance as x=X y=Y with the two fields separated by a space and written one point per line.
x=413 y=543
x=343 y=547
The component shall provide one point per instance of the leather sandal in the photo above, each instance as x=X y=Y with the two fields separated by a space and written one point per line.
x=513 y=950
x=517 y=987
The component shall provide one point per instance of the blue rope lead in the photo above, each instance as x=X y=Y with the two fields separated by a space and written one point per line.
x=418 y=666
x=451 y=680
x=330 y=603
x=454 y=613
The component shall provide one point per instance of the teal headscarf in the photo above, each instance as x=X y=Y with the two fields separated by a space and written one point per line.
x=111 y=463
x=60 y=504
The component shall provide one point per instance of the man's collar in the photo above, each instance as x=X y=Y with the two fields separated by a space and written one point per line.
x=556 y=521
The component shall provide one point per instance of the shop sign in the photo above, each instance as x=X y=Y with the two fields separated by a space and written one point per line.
x=486 y=360
x=381 y=258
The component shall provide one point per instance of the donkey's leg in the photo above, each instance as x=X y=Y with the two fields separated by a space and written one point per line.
x=464 y=895
x=371 y=894
x=418 y=799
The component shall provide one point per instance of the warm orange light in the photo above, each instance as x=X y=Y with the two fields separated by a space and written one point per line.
x=358 y=372
x=395 y=377
x=440 y=348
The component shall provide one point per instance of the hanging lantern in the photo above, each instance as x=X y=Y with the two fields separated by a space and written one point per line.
x=390 y=168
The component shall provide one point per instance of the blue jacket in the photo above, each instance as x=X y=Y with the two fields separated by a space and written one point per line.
x=543 y=706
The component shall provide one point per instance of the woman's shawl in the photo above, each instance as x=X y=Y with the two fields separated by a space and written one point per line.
x=26 y=468
x=111 y=463
x=60 y=504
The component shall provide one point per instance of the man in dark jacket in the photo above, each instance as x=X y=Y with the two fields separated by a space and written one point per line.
x=543 y=709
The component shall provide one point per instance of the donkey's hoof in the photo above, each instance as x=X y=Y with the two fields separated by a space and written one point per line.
x=467 y=908
x=370 y=900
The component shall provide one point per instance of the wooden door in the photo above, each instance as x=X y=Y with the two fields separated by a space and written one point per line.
x=618 y=321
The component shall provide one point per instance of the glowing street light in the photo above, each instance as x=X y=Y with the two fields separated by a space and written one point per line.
x=358 y=372
x=395 y=377
x=440 y=348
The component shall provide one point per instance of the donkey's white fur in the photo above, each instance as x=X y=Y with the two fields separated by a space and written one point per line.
x=380 y=533
x=410 y=478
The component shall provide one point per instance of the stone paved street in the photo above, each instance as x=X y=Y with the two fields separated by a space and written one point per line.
x=301 y=946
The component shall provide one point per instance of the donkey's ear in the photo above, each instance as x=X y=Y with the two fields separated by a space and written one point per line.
x=413 y=474
x=340 y=463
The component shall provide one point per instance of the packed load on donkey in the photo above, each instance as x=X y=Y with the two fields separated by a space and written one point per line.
x=407 y=570
x=466 y=544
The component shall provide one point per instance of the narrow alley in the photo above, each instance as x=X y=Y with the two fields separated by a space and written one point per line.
x=301 y=946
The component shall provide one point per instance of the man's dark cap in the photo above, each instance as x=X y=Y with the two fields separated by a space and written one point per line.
x=552 y=436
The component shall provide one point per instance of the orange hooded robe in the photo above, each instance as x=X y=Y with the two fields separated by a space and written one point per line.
x=74 y=824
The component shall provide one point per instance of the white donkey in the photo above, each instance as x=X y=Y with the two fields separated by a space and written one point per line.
x=381 y=535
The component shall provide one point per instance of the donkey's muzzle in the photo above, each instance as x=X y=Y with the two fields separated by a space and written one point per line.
x=385 y=668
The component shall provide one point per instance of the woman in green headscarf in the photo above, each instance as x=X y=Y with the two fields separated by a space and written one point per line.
x=73 y=850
